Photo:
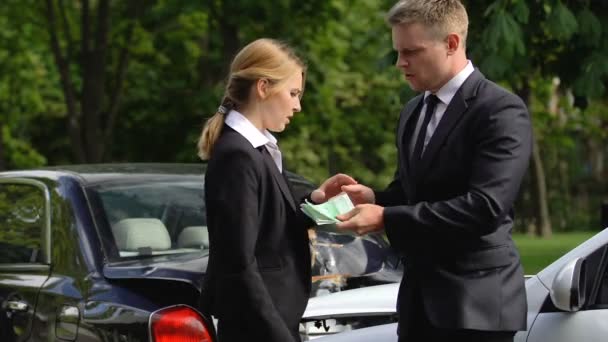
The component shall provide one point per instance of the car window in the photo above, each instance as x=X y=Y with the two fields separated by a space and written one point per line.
x=601 y=300
x=155 y=217
x=22 y=223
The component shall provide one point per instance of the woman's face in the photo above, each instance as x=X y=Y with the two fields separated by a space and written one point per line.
x=280 y=107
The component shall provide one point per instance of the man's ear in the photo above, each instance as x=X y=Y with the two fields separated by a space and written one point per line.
x=261 y=88
x=453 y=42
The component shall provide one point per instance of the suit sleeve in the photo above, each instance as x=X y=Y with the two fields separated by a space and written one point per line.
x=302 y=219
x=393 y=194
x=243 y=294
x=500 y=158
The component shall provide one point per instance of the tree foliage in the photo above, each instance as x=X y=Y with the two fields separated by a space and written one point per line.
x=100 y=80
x=24 y=86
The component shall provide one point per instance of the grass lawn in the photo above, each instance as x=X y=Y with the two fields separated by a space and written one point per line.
x=536 y=253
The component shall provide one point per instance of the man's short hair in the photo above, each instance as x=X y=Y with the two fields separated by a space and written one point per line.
x=441 y=16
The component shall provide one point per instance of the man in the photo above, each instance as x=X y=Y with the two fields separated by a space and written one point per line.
x=464 y=144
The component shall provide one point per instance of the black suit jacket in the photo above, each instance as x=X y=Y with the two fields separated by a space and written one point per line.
x=451 y=214
x=258 y=277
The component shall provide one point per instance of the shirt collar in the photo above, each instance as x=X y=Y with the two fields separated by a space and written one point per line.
x=241 y=124
x=447 y=92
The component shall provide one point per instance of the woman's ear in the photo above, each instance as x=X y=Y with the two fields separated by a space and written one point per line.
x=261 y=88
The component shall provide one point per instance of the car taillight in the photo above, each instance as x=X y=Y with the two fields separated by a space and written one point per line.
x=179 y=324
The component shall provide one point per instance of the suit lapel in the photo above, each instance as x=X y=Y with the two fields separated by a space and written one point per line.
x=455 y=110
x=278 y=177
x=404 y=134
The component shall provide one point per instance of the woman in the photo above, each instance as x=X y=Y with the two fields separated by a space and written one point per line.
x=258 y=277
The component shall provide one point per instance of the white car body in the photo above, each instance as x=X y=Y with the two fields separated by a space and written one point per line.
x=552 y=314
x=349 y=310
x=372 y=300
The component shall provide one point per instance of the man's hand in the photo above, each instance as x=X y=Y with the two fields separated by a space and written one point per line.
x=365 y=218
x=331 y=187
x=359 y=194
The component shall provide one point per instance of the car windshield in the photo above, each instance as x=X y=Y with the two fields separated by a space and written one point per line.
x=152 y=216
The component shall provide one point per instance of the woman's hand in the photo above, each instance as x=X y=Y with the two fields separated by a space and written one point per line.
x=331 y=187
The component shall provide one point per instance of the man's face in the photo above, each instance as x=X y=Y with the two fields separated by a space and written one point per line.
x=422 y=58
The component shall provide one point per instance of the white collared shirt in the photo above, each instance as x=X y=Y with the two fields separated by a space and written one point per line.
x=445 y=95
x=243 y=126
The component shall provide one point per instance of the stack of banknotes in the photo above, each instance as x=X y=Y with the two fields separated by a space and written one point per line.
x=325 y=213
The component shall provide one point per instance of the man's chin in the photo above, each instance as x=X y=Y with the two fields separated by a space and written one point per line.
x=415 y=87
x=277 y=129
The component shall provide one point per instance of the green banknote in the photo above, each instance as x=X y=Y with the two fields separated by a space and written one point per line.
x=325 y=213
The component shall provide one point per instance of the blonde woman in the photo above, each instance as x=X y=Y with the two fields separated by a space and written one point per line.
x=258 y=277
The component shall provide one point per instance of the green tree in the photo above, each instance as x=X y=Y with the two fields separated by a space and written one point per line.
x=134 y=81
x=520 y=42
x=91 y=56
x=352 y=101
x=24 y=86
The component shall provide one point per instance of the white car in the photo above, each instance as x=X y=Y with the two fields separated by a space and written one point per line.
x=567 y=301
x=349 y=310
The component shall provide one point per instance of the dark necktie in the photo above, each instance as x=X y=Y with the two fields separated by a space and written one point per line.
x=431 y=103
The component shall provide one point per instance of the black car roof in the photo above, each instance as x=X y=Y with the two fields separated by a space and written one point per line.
x=99 y=173
x=96 y=173
x=131 y=168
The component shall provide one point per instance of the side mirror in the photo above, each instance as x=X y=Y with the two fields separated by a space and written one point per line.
x=568 y=291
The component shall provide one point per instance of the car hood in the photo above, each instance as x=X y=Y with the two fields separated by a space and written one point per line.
x=365 y=301
x=184 y=268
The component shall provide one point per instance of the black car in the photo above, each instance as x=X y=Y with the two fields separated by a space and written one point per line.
x=118 y=252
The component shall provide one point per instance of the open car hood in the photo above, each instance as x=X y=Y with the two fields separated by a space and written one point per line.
x=365 y=301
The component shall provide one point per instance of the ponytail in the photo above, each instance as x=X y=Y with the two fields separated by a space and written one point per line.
x=212 y=129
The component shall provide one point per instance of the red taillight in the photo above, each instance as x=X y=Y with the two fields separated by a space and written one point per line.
x=179 y=324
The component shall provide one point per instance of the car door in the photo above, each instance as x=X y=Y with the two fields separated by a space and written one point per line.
x=24 y=254
x=590 y=324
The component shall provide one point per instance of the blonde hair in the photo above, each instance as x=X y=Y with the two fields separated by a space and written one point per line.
x=441 y=16
x=261 y=59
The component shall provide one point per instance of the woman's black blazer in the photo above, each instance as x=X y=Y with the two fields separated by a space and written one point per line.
x=258 y=277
